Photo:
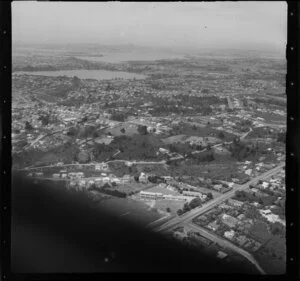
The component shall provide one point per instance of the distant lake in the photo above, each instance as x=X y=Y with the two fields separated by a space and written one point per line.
x=134 y=56
x=87 y=74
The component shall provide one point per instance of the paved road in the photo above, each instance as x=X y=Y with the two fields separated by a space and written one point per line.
x=276 y=126
x=198 y=211
x=139 y=162
x=55 y=132
x=93 y=164
x=43 y=136
x=134 y=162
x=35 y=141
x=224 y=243
x=246 y=134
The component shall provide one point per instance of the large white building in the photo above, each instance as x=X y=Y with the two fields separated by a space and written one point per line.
x=143 y=178
x=271 y=217
x=202 y=196
x=229 y=234
x=151 y=195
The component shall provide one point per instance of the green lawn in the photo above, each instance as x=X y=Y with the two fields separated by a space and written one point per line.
x=172 y=204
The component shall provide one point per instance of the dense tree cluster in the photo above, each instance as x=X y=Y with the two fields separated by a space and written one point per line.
x=278 y=229
x=28 y=126
x=66 y=152
x=205 y=156
x=76 y=82
x=275 y=248
x=186 y=149
x=270 y=101
x=113 y=192
x=60 y=91
x=252 y=212
x=83 y=132
x=87 y=131
x=118 y=116
x=136 y=147
x=181 y=148
x=142 y=130
x=221 y=135
x=45 y=119
x=281 y=137
x=73 y=131
x=83 y=156
x=22 y=143
x=106 y=189
x=156 y=179
x=210 y=195
x=194 y=203
x=184 y=104
x=241 y=195
x=241 y=150
x=259 y=231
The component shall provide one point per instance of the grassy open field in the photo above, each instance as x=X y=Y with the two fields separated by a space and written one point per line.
x=132 y=210
x=129 y=130
x=271 y=265
x=133 y=187
x=206 y=190
x=272 y=256
x=271 y=117
x=103 y=140
x=172 y=204
x=194 y=139
x=214 y=170
x=162 y=190
x=47 y=98
x=200 y=131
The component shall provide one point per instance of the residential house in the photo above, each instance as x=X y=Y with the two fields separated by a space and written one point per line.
x=143 y=178
x=82 y=183
x=179 y=235
x=221 y=255
x=56 y=176
x=241 y=240
x=217 y=187
x=213 y=226
x=235 y=203
x=229 y=220
x=195 y=194
x=229 y=234
x=225 y=206
x=265 y=212
x=248 y=172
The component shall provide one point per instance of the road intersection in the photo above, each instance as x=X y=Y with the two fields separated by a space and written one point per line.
x=187 y=217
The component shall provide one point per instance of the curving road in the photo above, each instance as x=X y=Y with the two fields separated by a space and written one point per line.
x=186 y=218
x=225 y=243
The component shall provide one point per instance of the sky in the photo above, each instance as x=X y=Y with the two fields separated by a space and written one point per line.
x=233 y=25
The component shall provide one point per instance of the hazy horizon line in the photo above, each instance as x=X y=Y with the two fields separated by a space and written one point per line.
x=262 y=48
